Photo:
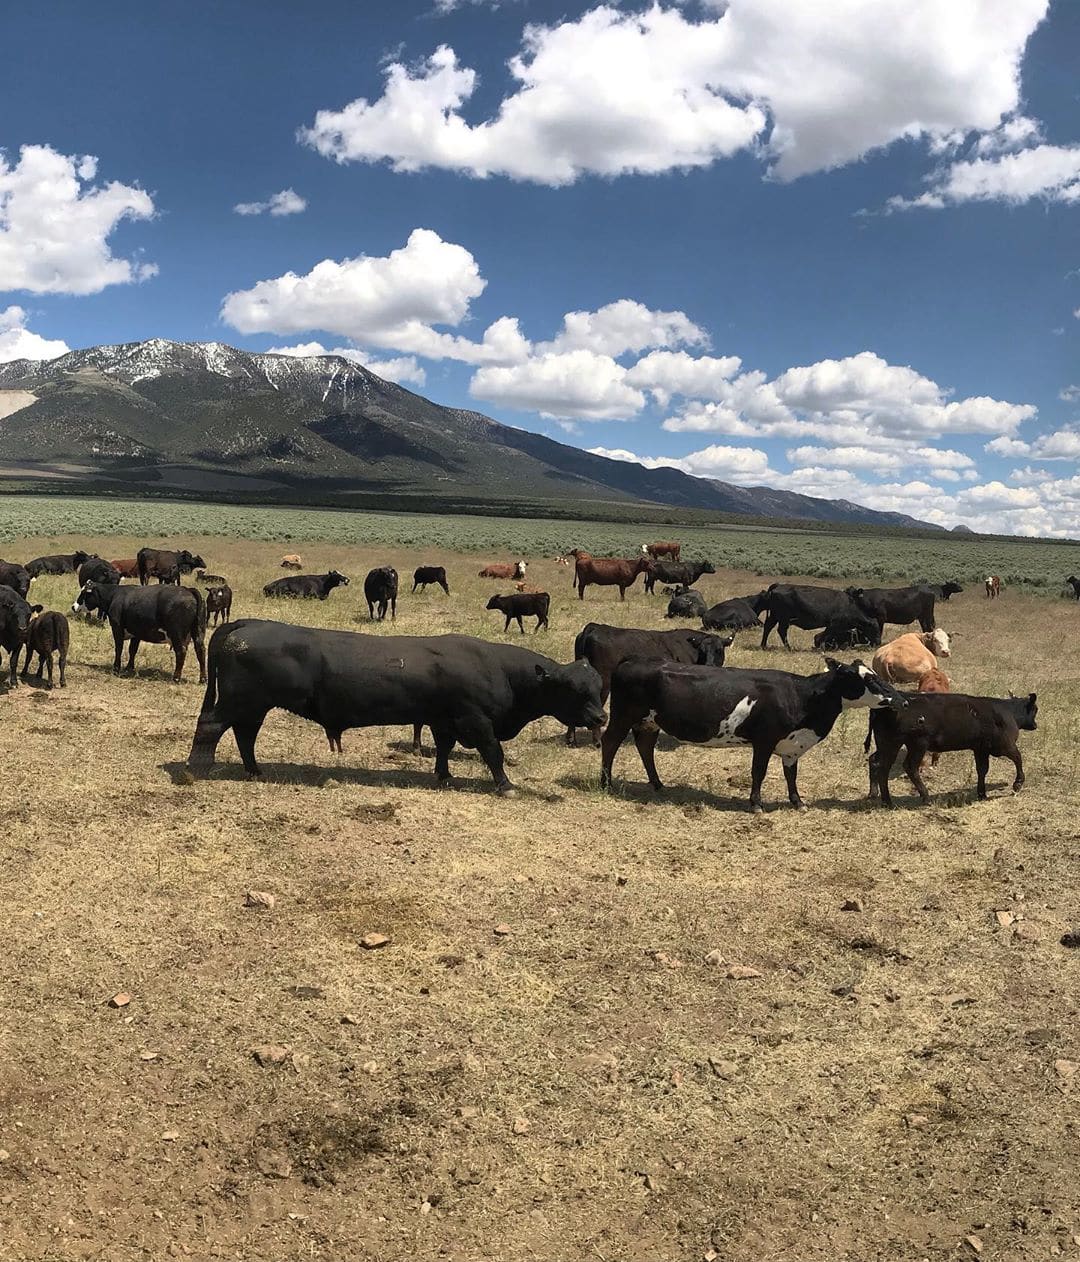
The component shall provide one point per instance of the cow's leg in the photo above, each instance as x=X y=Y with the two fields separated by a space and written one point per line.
x=444 y=743
x=982 y=766
x=770 y=622
x=393 y=609
x=916 y=751
x=571 y=736
x=179 y=648
x=506 y=624
x=200 y=655
x=615 y=733
x=622 y=593
x=445 y=586
x=246 y=732
x=45 y=659
x=581 y=589
x=26 y=664
x=208 y=732
x=118 y=642
x=758 y=767
x=492 y=753
x=1013 y=753
x=645 y=737
x=783 y=628
x=133 y=648
x=791 y=775
x=417 y=748
x=414 y=586
x=521 y=625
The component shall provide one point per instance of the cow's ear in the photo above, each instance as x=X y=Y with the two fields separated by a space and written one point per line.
x=832 y=664
x=728 y=640
x=37 y=608
x=1031 y=698
x=541 y=673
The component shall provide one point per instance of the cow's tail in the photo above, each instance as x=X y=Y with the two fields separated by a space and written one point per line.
x=869 y=732
x=200 y=613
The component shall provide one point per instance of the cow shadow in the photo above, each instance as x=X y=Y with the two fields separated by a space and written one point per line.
x=153 y=673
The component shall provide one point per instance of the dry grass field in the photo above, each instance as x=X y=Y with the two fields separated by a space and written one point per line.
x=899 y=1082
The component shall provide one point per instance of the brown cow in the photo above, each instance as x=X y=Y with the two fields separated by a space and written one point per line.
x=608 y=572
x=48 y=634
x=657 y=550
x=126 y=569
x=933 y=681
x=531 y=588
x=499 y=570
x=993 y=586
x=292 y=561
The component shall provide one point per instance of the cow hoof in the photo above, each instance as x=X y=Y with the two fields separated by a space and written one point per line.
x=801 y=807
x=757 y=809
x=507 y=791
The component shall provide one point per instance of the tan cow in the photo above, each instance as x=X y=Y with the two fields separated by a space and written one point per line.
x=292 y=561
x=907 y=658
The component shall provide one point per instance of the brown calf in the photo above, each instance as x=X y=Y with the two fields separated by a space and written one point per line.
x=608 y=572
x=292 y=561
x=49 y=633
x=993 y=586
x=498 y=569
x=656 y=550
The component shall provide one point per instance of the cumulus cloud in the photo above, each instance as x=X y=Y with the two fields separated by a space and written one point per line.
x=1060 y=444
x=287 y=202
x=612 y=92
x=17 y=341
x=728 y=464
x=55 y=224
x=574 y=385
x=1047 y=172
x=668 y=373
x=402 y=369
x=384 y=302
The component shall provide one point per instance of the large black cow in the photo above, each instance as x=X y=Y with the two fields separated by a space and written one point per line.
x=604 y=647
x=469 y=692
x=683 y=573
x=790 y=605
x=942 y=591
x=771 y=710
x=1074 y=583
x=738 y=614
x=425 y=574
x=939 y=722
x=63 y=563
x=518 y=605
x=15 y=615
x=850 y=630
x=95 y=570
x=157 y=614
x=306 y=586
x=380 y=592
x=896 y=604
x=686 y=603
x=16 y=577
x=166 y=566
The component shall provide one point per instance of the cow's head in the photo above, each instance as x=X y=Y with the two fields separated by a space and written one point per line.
x=706 y=567
x=857 y=595
x=758 y=603
x=88 y=599
x=337 y=579
x=571 y=693
x=79 y=557
x=644 y=549
x=938 y=643
x=711 y=648
x=950 y=588
x=520 y=568
x=860 y=688
x=189 y=561
x=496 y=602
x=1024 y=711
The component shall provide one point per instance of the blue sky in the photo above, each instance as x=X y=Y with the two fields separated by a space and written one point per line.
x=831 y=247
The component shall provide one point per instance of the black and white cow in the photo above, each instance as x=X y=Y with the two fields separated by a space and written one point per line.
x=771 y=710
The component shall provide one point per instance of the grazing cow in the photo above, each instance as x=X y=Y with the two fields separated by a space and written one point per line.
x=210 y=580
x=684 y=573
x=940 y=722
x=907 y=659
x=425 y=574
x=849 y=630
x=306 y=586
x=16 y=577
x=942 y=591
x=608 y=572
x=64 y=563
x=604 y=647
x=498 y=570
x=126 y=567
x=738 y=614
x=380 y=592
x=95 y=570
x=771 y=710
x=48 y=633
x=1074 y=583
x=686 y=603
x=896 y=604
x=993 y=586
x=165 y=612
x=292 y=561
x=15 y=615
x=790 y=605
x=469 y=692
x=656 y=550
x=219 y=604
x=165 y=566
x=522 y=605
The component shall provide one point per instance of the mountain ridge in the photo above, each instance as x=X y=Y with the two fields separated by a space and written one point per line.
x=164 y=411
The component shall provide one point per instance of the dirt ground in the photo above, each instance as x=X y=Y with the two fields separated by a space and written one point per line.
x=899 y=1082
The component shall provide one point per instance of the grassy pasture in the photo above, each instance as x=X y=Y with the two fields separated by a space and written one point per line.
x=584 y=1086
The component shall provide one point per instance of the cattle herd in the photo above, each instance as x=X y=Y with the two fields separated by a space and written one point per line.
x=478 y=694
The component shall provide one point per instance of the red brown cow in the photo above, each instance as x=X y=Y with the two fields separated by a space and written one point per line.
x=497 y=569
x=657 y=550
x=126 y=569
x=608 y=572
x=933 y=681
x=993 y=587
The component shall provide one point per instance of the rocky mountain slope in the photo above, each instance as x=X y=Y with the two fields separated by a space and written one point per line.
x=204 y=415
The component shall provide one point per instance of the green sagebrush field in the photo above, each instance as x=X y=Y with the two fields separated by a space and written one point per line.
x=1035 y=564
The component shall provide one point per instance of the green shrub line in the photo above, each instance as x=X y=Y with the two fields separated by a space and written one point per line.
x=1036 y=565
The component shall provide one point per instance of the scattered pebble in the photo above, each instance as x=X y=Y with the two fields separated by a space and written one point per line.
x=852 y=904
x=273 y=1163
x=1004 y=917
x=520 y=1126
x=974 y=1243
x=259 y=900
x=270 y=1053
x=120 y=1000
x=1065 y=1068
x=372 y=941
x=501 y=930
x=468 y=1110
x=170 y=1137
x=714 y=959
x=349 y=1018
x=726 y=1069
x=148 y=1055
x=1071 y=939
x=743 y=972
x=916 y=1120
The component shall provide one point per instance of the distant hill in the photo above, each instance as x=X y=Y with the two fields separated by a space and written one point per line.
x=202 y=416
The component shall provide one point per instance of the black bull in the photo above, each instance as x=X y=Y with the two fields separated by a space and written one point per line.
x=469 y=692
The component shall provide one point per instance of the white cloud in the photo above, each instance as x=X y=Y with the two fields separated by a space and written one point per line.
x=55 y=224
x=287 y=202
x=17 y=342
x=894 y=459
x=577 y=385
x=612 y=92
x=1014 y=133
x=1049 y=172
x=402 y=369
x=1070 y=394
x=1061 y=444
x=622 y=327
x=667 y=373
x=744 y=465
x=386 y=302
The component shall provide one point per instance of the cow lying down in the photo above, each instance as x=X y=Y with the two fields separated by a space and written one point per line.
x=771 y=710
x=469 y=692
